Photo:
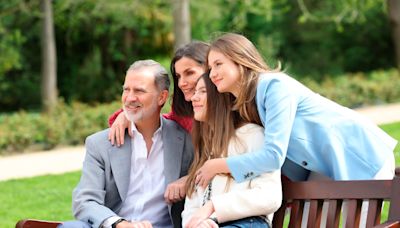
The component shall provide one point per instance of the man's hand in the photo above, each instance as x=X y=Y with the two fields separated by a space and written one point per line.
x=117 y=130
x=139 y=224
x=200 y=217
x=176 y=191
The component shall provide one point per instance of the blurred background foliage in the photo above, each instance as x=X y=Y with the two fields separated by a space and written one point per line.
x=341 y=49
x=96 y=40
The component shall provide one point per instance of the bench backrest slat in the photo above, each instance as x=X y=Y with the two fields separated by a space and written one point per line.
x=333 y=218
x=338 y=193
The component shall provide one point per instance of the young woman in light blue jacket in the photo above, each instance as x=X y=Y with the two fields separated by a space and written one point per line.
x=303 y=131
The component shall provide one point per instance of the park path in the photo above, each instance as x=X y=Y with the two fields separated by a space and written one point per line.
x=66 y=159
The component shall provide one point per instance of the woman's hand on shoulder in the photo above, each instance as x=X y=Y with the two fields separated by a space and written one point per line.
x=117 y=130
x=209 y=169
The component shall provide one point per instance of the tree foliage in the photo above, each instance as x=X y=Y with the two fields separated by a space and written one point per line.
x=98 y=39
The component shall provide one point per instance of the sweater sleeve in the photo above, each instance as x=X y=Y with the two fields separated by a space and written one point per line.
x=114 y=116
x=184 y=121
x=263 y=197
x=192 y=204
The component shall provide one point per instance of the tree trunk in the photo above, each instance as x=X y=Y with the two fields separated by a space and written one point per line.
x=181 y=16
x=49 y=58
x=394 y=16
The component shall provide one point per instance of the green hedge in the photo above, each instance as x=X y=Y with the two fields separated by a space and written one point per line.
x=360 y=89
x=68 y=125
x=71 y=124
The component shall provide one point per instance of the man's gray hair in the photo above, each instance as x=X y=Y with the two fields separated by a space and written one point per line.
x=160 y=73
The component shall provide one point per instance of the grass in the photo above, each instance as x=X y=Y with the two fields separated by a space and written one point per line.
x=394 y=131
x=45 y=197
x=49 y=197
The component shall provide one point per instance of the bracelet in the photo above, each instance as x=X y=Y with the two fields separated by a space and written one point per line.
x=214 y=219
x=114 y=225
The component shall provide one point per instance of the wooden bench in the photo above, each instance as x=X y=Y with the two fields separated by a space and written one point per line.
x=296 y=194
x=33 y=223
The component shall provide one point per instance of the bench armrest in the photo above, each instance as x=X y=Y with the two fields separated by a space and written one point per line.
x=393 y=224
x=34 y=223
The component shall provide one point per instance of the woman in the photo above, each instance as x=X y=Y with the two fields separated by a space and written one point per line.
x=187 y=65
x=220 y=132
x=302 y=128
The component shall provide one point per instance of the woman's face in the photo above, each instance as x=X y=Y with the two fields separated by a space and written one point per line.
x=199 y=101
x=224 y=73
x=188 y=72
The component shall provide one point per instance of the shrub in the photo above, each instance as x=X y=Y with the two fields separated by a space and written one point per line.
x=71 y=124
x=358 y=89
x=67 y=125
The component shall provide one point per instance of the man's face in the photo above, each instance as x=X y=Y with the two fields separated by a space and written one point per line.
x=141 y=98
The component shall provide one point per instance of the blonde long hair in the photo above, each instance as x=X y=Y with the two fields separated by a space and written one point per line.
x=211 y=138
x=250 y=62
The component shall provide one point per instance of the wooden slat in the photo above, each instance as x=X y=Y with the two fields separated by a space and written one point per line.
x=296 y=214
x=336 y=193
x=279 y=216
x=339 y=189
x=374 y=212
x=353 y=213
x=314 y=214
x=333 y=219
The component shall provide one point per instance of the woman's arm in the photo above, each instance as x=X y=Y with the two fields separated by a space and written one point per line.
x=209 y=170
x=282 y=106
x=277 y=107
x=114 y=116
x=119 y=123
x=183 y=121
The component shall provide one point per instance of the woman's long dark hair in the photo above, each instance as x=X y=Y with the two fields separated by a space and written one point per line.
x=196 y=51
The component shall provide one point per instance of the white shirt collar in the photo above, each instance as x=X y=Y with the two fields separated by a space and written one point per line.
x=136 y=131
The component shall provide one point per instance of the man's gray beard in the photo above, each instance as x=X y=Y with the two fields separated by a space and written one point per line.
x=133 y=117
x=139 y=115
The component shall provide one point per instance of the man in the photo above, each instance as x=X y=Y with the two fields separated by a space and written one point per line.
x=124 y=186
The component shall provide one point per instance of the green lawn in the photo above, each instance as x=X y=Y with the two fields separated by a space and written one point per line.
x=44 y=197
x=394 y=131
x=49 y=197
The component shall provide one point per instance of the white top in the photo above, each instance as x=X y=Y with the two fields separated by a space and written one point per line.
x=145 y=197
x=232 y=201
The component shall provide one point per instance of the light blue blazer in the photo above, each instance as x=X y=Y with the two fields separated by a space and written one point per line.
x=313 y=133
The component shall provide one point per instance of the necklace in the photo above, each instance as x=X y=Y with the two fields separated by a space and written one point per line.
x=207 y=193
x=208 y=190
